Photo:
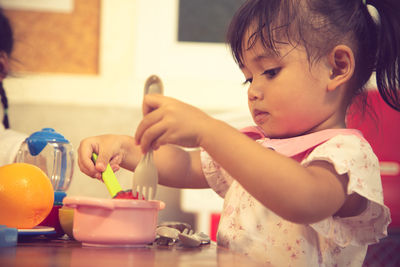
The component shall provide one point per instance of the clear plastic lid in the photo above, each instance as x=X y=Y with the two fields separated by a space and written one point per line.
x=52 y=153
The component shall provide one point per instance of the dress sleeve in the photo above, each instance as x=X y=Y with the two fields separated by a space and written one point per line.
x=218 y=179
x=353 y=156
x=10 y=142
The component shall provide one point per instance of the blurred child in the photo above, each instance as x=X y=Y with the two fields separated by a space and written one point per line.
x=300 y=188
x=10 y=141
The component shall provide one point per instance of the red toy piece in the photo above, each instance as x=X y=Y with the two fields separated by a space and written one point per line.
x=127 y=194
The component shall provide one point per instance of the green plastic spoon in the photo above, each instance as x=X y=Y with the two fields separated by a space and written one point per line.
x=109 y=179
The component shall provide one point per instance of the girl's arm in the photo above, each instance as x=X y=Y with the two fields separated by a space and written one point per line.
x=179 y=168
x=296 y=193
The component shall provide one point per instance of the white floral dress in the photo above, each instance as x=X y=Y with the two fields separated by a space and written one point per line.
x=248 y=227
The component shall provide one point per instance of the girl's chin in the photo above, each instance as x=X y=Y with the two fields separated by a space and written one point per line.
x=272 y=132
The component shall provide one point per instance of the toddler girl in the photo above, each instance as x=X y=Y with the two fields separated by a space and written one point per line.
x=300 y=189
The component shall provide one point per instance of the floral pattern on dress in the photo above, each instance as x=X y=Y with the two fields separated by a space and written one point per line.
x=246 y=226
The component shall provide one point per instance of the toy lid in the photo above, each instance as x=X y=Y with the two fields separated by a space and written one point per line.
x=38 y=140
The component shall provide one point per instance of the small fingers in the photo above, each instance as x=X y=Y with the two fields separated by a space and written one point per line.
x=104 y=148
x=115 y=163
x=104 y=158
x=115 y=167
x=148 y=131
x=151 y=102
x=153 y=138
x=85 y=162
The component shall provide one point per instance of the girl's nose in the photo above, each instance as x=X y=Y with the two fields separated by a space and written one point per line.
x=254 y=92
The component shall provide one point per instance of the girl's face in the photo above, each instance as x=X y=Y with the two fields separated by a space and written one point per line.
x=286 y=95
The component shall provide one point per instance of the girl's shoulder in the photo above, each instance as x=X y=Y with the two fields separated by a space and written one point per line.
x=352 y=155
x=347 y=151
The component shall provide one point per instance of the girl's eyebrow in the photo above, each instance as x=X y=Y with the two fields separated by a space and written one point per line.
x=260 y=57
x=265 y=55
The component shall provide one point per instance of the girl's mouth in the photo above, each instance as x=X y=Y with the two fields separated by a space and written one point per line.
x=260 y=116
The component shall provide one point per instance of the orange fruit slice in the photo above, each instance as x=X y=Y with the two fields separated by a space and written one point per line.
x=26 y=195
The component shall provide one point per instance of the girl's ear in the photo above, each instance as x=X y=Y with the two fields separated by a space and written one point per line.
x=4 y=67
x=341 y=60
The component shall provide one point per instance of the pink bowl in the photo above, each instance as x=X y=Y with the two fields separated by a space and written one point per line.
x=114 y=222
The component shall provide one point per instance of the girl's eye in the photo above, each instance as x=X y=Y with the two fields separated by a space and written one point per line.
x=272 y=72
x=247 y=81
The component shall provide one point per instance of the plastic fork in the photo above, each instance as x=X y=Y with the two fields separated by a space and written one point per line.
x=145 y=177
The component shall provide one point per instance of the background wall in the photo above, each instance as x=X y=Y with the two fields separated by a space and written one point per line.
x=136 y=38
x=56 y=41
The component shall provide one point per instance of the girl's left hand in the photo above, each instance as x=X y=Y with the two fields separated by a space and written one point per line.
x=169 y=121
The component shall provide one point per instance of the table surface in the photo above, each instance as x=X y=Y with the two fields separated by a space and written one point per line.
x=58 y=252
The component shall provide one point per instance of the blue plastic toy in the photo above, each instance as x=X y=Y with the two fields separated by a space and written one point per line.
x=8 y=236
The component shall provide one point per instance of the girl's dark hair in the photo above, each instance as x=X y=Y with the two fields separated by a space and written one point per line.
x=320 y=25
x=6 y=45
x=6 y=34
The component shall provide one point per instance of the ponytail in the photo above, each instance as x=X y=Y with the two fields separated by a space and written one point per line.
x=388 y=51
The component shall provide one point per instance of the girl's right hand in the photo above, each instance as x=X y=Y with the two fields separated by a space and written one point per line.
x=109 y=149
